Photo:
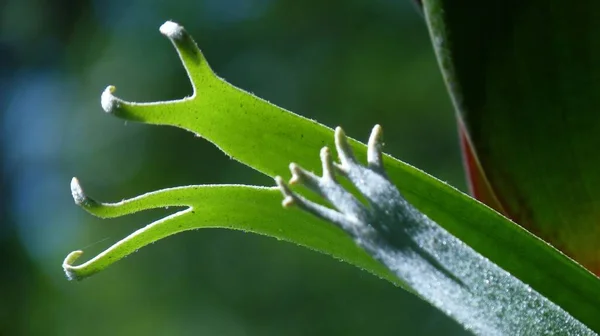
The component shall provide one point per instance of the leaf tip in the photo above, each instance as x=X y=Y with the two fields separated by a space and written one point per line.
x=172 y=30
x=77 y=191
x=294 y=168
x=189 y=53
x=67 y=265
x=288 y=199
x=339 y=132
x=108 y=101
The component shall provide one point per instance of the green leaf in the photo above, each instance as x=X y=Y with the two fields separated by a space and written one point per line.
x=525 y=80
x=238 y=207
x=267 y=138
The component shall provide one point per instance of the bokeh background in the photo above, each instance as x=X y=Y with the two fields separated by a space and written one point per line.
x=353 y=63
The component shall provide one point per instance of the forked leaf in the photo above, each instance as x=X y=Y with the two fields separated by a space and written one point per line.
x=238 y=207
x=267 y=138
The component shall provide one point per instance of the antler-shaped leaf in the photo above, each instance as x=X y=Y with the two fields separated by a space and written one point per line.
x=267 y=138
x=247 y=208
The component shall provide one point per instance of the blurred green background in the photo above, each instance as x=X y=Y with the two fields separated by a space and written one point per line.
x=350 y=63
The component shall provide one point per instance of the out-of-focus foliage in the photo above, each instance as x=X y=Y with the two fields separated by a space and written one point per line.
x=525 y=82
x=353 y=63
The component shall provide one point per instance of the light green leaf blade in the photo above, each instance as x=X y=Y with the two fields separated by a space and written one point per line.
x=267 y=138
x=239 y=207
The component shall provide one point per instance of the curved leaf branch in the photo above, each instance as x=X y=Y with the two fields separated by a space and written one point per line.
x=238 y=207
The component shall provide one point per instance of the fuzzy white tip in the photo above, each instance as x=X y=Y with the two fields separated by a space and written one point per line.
x=108 y=100
x=171 y=30
x=69 y=260
x=77 y=191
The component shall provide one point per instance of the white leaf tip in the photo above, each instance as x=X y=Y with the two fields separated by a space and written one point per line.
x=108 y=101
x=171 y=30
x=68 y=262
x=77 y=191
